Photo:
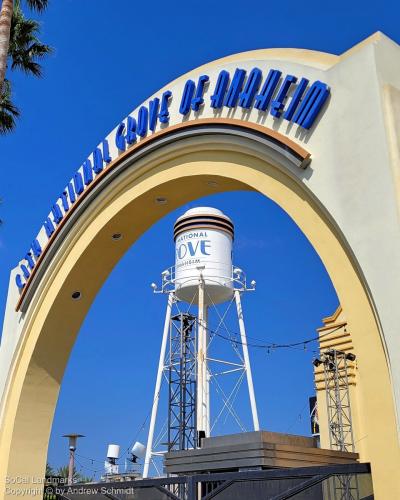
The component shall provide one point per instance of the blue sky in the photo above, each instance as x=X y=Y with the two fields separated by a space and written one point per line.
x=108 y=57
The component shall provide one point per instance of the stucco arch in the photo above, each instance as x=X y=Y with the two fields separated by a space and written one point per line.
x=182 y=171
x=346 y=202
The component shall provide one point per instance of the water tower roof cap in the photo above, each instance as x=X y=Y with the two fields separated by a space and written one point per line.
x=203 y=218
x=203 y=211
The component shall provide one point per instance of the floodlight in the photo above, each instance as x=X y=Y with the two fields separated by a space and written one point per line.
x=139 y=450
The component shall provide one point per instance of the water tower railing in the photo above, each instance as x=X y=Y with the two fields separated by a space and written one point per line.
x=237 y=278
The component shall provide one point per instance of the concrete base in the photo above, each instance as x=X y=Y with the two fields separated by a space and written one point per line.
x=253 y=450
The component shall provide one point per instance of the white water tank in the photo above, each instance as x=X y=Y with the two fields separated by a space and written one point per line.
x=203 y=244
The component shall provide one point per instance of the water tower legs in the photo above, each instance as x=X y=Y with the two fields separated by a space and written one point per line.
x=203 y=391
x=207 y=376
x=156 y=398
x=246 y=358
x=200 y=392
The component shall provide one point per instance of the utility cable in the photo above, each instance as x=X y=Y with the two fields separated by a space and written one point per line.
x=271 y=346
x=89 y=458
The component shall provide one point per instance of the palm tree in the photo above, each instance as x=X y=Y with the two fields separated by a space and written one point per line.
x=25 y=50
x=6 y=15
x=8 y=112
x=49 y=470
x=77 y=477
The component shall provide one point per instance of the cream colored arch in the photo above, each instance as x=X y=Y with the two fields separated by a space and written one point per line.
x=182 y=171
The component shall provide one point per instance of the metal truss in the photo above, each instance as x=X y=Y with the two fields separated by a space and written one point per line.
x=182 y=432
x=340 y=425
x=338 y=400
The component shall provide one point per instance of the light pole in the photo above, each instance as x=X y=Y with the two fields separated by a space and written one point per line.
x=72 y=447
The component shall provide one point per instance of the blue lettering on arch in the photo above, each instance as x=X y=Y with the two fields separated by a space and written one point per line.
x=36 y=248
x=198 y=99
x=187 y=97
x=29 y=259
x=18 y=282
x=106 y=152
x=87 y=172
x=131 y=130
x=97 y=161
x=78 y=183
x=279 y=102
x=143 y=121
x=311 y=104
x=235 y=88
x=120 y=138
x=64 y=201
x=153 y=113
x=57 y=214
x=31 y=262
x=48 y=227
x=164 y=113
x=217 y=99
x=301 y=87
x=303 y=108
x=71 y=192
x=25 y=271
x=253 y=83
x=267 y=91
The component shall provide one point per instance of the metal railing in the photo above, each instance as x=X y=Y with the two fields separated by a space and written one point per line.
x=312 y=483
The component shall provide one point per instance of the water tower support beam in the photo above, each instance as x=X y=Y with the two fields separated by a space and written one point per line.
x=207 y=375
x=156 y=398
x=246 y=358
x=202 y=379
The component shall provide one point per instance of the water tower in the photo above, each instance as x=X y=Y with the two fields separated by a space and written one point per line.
x=204 y=276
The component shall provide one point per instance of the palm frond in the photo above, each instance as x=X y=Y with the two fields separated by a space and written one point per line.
x=8 y=112
x=38 y=5
x=39 y=50
x=28 y=66
x=25 y=47
x=49 y=470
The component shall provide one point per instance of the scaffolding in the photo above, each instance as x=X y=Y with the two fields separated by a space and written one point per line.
x=338 y=399
x=335 y=364
x=182 y=432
